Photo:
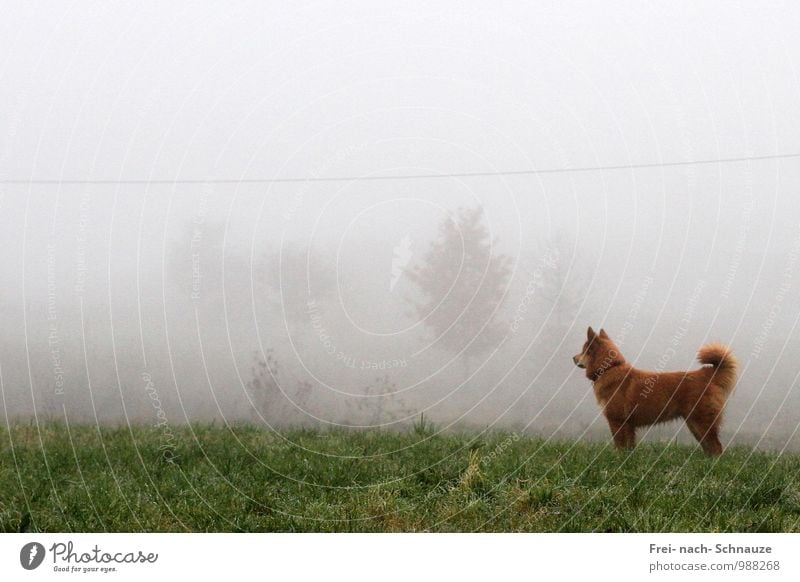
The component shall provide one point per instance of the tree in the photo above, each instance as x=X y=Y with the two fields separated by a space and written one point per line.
x=196 y=260
x=271 y=400
x=294 y=277
x=561 y=280
x=381 y=404
x=463 y=283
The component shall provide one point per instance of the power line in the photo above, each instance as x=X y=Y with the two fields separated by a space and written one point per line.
x=153 y=182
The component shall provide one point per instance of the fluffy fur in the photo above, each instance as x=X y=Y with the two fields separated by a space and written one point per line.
x=631 y=398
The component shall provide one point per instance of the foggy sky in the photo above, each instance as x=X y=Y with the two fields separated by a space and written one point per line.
x=100 y=318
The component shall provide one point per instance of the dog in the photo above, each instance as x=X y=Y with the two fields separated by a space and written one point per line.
x=631 y=398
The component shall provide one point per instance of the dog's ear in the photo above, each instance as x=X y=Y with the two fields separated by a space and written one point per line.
x=603 y=334
x=590 y=333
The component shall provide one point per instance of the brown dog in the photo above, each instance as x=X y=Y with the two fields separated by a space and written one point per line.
x=632 y=398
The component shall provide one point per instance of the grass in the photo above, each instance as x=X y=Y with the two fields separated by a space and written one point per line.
x=242 y=478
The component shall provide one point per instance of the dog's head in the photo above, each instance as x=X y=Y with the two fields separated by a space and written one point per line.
x=599 y=353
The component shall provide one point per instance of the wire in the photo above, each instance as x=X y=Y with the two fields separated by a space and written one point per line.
x=153 y=182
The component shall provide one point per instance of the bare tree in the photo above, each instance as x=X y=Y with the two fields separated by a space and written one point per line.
x=381 y=403
x=269 y=396
x=288 y=281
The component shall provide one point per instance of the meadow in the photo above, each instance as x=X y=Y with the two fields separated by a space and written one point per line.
x=242 y=478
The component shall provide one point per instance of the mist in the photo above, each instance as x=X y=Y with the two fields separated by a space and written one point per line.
x=153 y=274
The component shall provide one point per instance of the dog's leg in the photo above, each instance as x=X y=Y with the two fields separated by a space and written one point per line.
x=706 y=431
x=623 y=433
x=631 y=434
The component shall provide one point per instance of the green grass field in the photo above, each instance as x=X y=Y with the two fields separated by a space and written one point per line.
x=248 y=479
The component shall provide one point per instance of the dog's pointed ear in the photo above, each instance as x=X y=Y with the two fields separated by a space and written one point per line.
x=603 y=334
x=590 y=333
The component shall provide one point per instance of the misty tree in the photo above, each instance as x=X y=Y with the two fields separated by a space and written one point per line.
x=560 y=280
x=263 y=385
x=463 y=283
x=292 y=281
x=292 y=278
x=381 y=403
x=269 y=395
x=196 y=258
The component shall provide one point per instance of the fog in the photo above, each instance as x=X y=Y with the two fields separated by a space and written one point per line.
x=177 y=287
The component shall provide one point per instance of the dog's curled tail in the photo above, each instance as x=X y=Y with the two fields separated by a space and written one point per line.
x=725 y=364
